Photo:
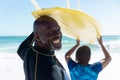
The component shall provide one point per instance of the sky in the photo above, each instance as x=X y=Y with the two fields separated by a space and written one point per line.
x=16 y=18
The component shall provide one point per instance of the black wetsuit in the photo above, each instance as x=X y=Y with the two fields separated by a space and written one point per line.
x=38 y=66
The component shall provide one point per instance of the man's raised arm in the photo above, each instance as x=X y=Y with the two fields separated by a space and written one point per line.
x=25 y=45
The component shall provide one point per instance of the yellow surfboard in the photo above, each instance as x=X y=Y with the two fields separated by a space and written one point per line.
x=74 y=24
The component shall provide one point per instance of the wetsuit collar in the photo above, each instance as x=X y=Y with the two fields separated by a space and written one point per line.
x=44 y=51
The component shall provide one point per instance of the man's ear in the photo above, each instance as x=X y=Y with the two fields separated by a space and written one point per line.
x=36 y=37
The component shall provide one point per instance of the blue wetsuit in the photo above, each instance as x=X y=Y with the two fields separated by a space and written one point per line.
x=38 y=66
x=81 y=72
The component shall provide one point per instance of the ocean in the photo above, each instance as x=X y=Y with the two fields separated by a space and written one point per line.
x=9 y=44
x=11 y=66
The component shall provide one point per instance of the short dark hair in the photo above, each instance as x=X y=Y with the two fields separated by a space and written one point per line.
x=83 y=54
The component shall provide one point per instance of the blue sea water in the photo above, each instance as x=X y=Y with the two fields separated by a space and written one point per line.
x=10 y=44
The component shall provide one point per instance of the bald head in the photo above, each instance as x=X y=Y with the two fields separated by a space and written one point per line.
x=47 y=33
x=43 y=21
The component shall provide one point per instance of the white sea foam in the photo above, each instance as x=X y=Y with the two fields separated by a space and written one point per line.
x=11 y=66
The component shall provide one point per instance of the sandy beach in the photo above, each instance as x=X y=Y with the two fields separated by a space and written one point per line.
x=11 y=67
